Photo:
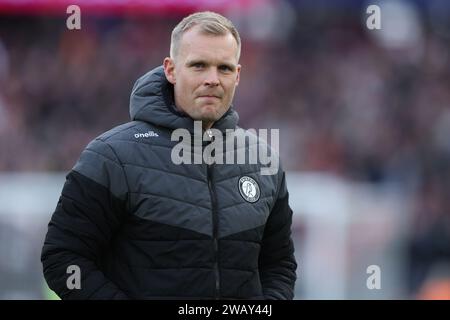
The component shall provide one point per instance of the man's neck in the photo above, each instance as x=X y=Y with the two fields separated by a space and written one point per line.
x=207 y=125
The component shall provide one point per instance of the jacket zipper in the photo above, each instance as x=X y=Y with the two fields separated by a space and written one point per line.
x=215 y=233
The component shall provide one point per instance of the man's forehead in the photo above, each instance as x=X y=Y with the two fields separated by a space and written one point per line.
x=197 y=45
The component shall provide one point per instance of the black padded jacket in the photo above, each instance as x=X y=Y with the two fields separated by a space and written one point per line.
x=139 y=226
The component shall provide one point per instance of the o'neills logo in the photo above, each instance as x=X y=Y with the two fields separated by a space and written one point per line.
x=234 y=147
x=146 y=135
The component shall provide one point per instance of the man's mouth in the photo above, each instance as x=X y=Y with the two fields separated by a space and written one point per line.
x=209 y=96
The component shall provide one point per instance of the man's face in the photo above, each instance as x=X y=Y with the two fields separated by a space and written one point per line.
x=204 y=73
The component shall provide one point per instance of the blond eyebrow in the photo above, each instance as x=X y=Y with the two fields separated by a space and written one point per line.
x=195 y=61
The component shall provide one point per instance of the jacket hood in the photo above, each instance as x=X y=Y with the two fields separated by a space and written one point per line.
x=152 y=101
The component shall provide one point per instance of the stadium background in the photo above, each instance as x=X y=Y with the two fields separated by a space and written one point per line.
x=363 y=114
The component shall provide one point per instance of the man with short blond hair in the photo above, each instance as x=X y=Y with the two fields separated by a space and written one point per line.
x=209 y=23
x=138 y=225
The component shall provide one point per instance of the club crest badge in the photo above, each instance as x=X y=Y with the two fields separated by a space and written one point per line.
x=249 y=189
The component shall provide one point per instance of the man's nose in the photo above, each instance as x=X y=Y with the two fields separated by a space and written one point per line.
x=212 y=78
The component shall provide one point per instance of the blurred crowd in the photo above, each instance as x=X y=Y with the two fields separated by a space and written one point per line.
x=344 y=104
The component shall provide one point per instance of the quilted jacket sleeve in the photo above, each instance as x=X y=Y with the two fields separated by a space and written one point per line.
x=277 y=263
x=89 y=211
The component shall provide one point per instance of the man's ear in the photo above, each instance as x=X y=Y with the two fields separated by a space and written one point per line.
x=169 y=70
x=238 y=74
